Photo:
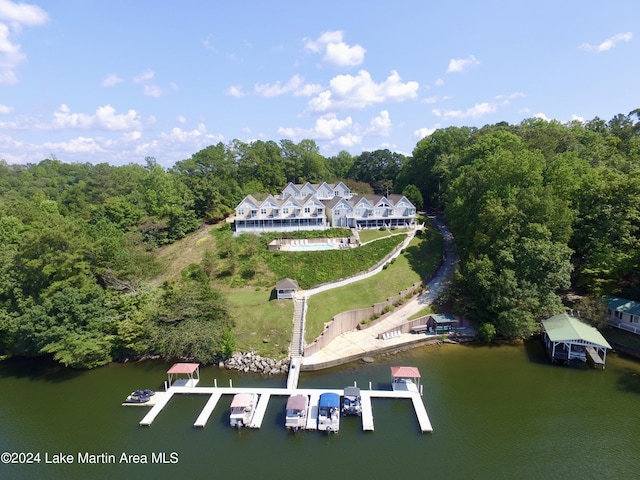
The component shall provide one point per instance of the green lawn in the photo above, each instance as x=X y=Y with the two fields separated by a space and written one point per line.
x=258 y=318
x=418 y=261
x=368 y=235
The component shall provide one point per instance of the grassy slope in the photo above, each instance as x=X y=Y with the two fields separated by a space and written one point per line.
x=258 y=319
x=418 y=261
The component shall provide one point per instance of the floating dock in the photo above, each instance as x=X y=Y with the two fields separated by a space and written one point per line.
x=191 y=376
x=208 y=410
x=215 y=393
x=367 y=411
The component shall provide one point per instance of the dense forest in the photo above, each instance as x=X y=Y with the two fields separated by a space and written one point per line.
x=538 y=210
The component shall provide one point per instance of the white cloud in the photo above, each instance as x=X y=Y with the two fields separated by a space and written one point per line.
x=348 y=141
x=144 y=76
x=380 y=125
x=423 y=132
x=235 y=91
x=479 y=109
x=336 y=51
x=577 y=118
x=111 y=80
x=460 y=64
x=608 y=44
x=104 y=118
x=347 y=91
x=294 y=85
x=153 y=91
x=326 y=127
x=5 y=109
x=75 y=145
x=22 y=14
x=13 y=16
x=181 y=119
x=439 y=82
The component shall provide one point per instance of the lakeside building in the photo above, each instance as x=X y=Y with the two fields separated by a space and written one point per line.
x=566 y=338
x=624 y=314
x=320 y=206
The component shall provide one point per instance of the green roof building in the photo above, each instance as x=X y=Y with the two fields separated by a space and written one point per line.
x=566 y=338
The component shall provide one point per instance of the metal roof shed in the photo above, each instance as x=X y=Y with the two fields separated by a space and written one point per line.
x=567 y=338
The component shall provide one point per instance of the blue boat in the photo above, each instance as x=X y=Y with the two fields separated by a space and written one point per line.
x=329 y=413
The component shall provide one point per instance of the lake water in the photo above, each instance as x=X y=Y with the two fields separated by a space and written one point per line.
x=497 y=412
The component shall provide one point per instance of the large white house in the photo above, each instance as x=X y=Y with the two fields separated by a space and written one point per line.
x=320 y=206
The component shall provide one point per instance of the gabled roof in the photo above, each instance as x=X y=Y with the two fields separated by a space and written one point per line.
x=287 y=284
x=623 y=305
x=565 y=328
x=310 y=200
x=356 y=200
x=405 y=372
x=396 y=198
x=335 y=201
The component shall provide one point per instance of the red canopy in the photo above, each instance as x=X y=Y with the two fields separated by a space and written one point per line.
x=184 y=368
x=405 y=372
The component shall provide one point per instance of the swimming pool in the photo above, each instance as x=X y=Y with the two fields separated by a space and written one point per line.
x=308 y=247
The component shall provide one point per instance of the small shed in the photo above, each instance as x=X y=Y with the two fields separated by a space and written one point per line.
x=184 y=374
x=566 y=338
x=438 y=323
x=286 y=288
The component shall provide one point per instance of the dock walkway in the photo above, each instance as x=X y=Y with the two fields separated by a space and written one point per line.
x=215 y=393
x=208 y=410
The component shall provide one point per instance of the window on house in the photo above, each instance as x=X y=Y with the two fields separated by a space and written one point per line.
x=285 y=210
x=263 y=211
x=307 y=210
x=241 y=211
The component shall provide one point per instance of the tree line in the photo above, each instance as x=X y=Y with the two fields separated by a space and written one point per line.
x=536 y=208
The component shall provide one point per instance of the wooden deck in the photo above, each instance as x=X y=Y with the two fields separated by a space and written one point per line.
x=215 y=393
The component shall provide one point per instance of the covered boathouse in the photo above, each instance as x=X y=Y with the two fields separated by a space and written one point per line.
x=566 y=338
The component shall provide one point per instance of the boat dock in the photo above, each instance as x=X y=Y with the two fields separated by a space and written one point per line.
x=215 y=393
x=188 y=384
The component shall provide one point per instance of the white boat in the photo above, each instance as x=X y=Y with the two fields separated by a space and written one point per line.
x=329 y=413
x=296 y=416
x=243 y=406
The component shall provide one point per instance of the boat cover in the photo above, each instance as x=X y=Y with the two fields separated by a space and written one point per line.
x=297 y=402
x=329 y=400
x=241 y=400
x=351 y=392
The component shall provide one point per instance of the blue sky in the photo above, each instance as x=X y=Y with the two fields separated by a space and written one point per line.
x=115 y=81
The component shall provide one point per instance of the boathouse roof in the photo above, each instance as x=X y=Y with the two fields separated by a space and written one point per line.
x=565 y=328
x=183 y=368
x=405 y=372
